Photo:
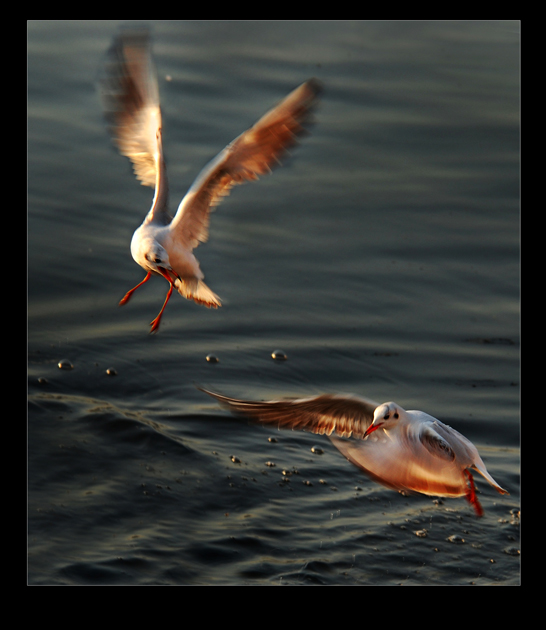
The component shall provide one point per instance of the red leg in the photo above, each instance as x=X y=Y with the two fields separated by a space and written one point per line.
x=471 y=494
x=155 y=323
x=128 y=295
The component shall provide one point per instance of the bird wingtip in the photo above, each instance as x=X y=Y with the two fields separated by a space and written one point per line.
x=316 y=85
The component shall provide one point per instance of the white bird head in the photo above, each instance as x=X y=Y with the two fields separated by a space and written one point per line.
x=156 y=256
x=385 y=416
x=150 y=254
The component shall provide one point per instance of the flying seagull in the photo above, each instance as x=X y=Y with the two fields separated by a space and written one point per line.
x=163 y=245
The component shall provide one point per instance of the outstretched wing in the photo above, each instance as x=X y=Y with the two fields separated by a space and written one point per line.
x=344 y=415
x=130 y=99
x=250 y=155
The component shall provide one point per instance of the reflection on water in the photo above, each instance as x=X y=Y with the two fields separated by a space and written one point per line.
x=382 y=259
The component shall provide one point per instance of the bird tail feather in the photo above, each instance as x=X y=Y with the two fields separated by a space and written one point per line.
x=196 y=290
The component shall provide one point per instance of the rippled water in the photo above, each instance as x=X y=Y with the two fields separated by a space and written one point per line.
x=382 y=259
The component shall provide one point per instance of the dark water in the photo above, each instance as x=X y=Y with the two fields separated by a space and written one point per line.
x=383 y=258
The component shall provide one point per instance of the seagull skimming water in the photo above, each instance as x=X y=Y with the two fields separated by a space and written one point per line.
x=403 y=450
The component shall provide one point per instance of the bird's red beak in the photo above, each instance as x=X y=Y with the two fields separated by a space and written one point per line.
x=373 y=427
x=166 y=273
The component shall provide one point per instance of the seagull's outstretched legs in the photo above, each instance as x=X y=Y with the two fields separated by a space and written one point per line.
x=155 y=323
x=129 y=294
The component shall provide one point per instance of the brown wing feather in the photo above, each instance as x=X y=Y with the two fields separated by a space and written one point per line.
x=255 y=152
x=325 y=414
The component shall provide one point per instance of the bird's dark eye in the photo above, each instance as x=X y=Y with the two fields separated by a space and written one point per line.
x=386 y=416
x=157 y=260
x=396 y=416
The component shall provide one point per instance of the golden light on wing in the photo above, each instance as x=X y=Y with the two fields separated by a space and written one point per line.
x=255 y=152
x=392 y=464
x=131 y=102
x=325 y=414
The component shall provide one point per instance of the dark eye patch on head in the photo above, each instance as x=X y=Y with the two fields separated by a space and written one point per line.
x=394 y=415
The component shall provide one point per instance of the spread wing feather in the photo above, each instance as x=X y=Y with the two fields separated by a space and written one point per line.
x=343 y=415
x=131 y=102
x=255 y=152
